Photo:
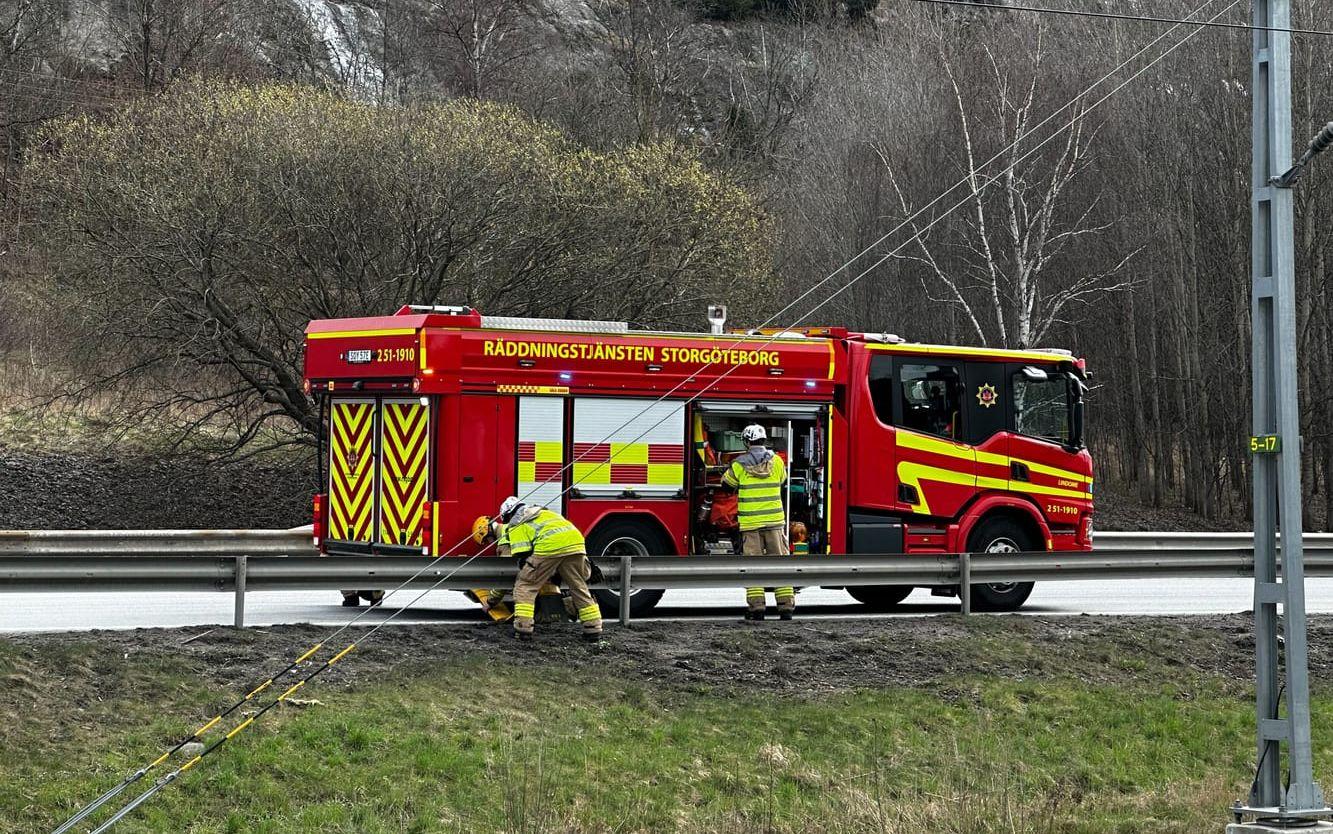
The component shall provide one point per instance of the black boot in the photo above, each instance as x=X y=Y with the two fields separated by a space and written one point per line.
x=523 y=636
x=351 y=602
x=593 y=637
x=756 y=614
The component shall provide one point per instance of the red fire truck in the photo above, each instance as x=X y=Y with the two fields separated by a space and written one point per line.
x=434 y=414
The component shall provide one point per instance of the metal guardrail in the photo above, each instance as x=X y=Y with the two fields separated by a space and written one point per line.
x=238 y=561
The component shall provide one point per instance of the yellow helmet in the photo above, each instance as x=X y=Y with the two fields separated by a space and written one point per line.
x=481 y=529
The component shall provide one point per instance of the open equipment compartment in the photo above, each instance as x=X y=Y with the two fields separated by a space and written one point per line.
x=797 y=432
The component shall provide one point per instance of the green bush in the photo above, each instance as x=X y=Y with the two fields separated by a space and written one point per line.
x=203 y=228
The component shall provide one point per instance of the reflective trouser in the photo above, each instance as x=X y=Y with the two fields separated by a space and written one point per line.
x=574 y=571
x=771 y=541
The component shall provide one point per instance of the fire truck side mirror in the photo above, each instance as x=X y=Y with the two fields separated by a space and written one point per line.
x=1076 y=438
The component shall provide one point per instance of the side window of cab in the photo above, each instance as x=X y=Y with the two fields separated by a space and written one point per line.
x=930 y=397
x=881 y=387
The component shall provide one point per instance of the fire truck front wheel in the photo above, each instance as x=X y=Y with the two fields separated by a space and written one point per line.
x=622 y=537
x=1000 y=535
x=879 y=597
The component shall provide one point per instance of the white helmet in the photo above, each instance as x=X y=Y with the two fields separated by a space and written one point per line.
x=510 y=506
x=754 y=433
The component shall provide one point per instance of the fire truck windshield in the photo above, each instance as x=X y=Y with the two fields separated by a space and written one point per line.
x=1045 y=407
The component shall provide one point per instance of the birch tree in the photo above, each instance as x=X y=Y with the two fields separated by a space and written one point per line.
x=483 y=38
x=1006 y=256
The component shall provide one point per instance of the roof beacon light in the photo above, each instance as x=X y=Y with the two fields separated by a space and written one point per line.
x=717 y=318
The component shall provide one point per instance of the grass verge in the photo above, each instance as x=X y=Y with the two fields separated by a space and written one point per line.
x=484 y=743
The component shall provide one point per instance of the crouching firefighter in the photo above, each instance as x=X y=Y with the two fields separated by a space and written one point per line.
x=547 y=545
x=485 y=532
x=758 y=476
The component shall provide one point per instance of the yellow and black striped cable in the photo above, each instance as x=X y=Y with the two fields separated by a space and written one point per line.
x=175 y=774
x=88 y=809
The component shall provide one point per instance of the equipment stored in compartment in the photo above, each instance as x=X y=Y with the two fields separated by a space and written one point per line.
x=798 y=433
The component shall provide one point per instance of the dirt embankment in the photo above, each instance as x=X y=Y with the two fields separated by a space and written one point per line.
x=938 y=653
x=52 y=491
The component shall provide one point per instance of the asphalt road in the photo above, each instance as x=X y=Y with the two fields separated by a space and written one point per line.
x=84 y=611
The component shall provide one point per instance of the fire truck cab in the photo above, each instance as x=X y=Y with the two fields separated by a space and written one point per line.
x=433 y=415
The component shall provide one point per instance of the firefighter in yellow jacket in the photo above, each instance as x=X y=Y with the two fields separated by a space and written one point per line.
x=548 y=545
x=758 y=476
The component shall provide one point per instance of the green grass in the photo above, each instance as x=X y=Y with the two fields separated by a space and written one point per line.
x=494 y=747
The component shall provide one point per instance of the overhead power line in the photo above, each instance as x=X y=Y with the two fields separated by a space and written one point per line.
x=87 y=810
x=1005 y=7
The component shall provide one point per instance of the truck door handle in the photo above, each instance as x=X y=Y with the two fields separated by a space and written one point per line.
x=1018 y=472
x=467 y=479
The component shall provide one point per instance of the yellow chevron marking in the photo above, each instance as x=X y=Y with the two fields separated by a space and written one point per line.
x=404 y=427
x=351 y=427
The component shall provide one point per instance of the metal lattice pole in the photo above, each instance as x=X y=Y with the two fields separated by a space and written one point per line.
x=1277 y=448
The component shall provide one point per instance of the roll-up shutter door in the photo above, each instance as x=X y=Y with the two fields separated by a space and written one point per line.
x=628 y=445
x=541 y=450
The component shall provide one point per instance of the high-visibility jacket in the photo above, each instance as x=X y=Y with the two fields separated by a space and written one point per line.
x=541 y=532
x=758 y=478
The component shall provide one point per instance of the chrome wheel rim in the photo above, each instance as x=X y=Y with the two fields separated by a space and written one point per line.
x=625 y=546
x=1003 y=545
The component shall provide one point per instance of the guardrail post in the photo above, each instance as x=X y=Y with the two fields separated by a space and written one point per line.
x=965 y=582
x=625 y=561
x=240 y=591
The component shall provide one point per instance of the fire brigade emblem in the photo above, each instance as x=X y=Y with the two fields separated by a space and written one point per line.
x=354 y=457
x=986 y=395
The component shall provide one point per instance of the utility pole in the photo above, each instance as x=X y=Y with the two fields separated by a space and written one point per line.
x=1276 y=447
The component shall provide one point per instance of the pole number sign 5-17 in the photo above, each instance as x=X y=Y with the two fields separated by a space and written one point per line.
x=1265 y=444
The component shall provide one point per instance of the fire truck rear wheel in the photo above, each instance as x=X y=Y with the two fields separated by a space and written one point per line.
x=1000 y=535
x=635 y=538
x=880 y=597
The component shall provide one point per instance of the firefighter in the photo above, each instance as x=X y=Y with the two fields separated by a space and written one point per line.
x=486 y=531
x=757 y=476
x=547 y=545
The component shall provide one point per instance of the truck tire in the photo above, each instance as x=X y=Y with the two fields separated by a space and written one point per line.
x=637 y=538
x=879 y=597
x=1000 y=535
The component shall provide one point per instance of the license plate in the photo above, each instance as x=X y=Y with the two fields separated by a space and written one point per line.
x=358 y=357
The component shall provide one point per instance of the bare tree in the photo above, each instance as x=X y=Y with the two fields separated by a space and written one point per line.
x=1002 y=263
x=658 y=60
x=765 y=93
x=208 y=227
x=482 y=39
x=162 y=39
